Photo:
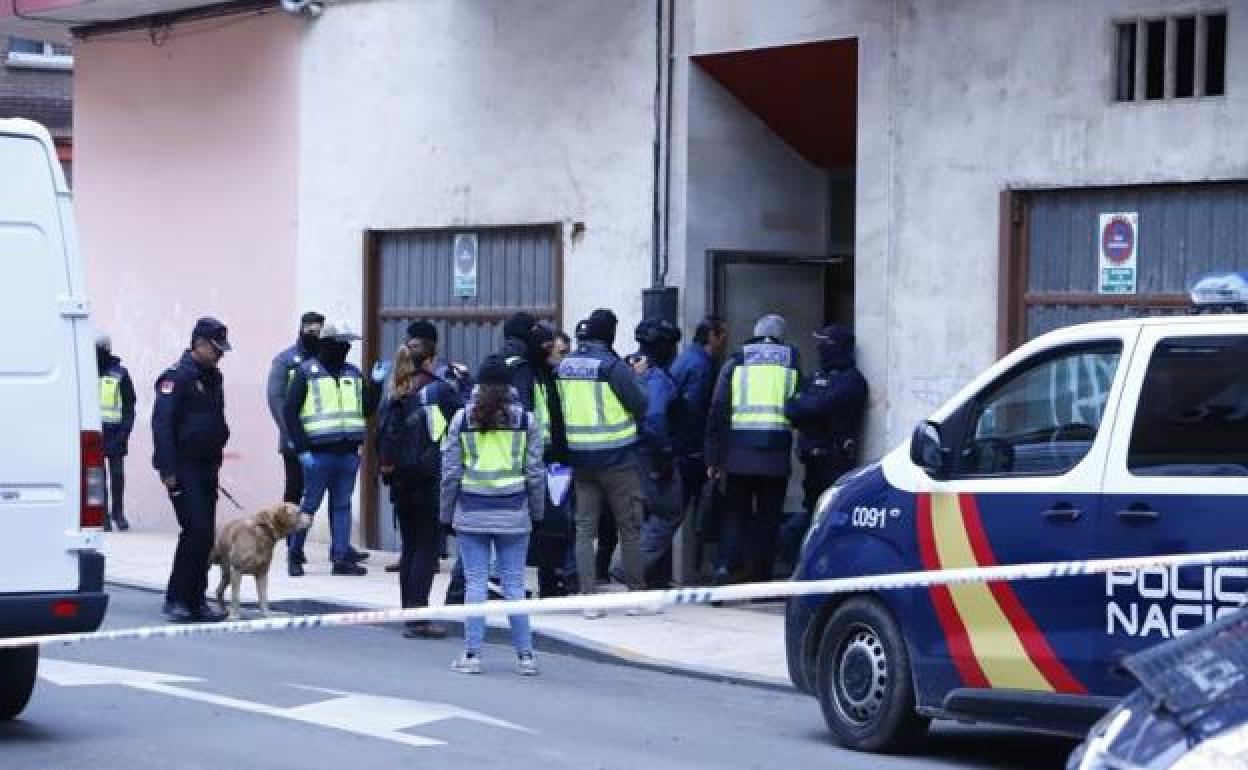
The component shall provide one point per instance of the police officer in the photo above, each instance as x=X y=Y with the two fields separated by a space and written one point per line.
x=414 y=421
x=694 y=373
x=828 y=415
x=117 y=419
x=285 y=364
x=602 y=404
x=527 y=346
x=189 y=434
x=326 y=416
x=548 y=546
x=658 y=340
x=748 y=439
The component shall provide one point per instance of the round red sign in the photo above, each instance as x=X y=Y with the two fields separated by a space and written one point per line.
x=1118 y=240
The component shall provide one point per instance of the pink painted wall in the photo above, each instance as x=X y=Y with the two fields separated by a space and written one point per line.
x=185 y=173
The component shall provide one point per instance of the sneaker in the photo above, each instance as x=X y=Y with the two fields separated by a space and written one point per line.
x=122 y=524
x=593 y=614
x=467 y=664
x=348 y=568
x=356 y=556
x=526 y=665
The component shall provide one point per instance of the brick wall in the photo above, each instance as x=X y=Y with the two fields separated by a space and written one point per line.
x=41 y=95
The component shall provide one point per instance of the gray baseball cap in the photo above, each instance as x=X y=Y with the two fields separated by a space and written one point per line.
x=771 y=325
x=339 y=329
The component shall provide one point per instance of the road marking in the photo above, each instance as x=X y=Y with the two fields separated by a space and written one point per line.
x=375 y=716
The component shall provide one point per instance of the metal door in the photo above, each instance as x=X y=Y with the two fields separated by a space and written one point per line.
x=1183 y=232
x=749 y=285
x=412 y=274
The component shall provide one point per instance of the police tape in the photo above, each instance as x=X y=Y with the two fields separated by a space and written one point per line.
x=647 y=600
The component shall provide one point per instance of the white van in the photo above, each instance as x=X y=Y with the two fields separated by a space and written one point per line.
x=51 y=459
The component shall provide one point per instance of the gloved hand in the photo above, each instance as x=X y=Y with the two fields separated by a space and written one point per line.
x=380 y=370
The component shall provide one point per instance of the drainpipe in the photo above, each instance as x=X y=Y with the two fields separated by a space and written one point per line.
x=660 y=300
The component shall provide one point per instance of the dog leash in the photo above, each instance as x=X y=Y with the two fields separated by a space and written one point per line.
x=229 y=497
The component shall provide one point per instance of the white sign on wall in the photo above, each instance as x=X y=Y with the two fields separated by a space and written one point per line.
x=1118 y=239
x=464 y=259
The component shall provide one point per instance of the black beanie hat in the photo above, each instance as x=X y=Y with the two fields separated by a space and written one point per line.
x=422 y=330
x=601 y=326
x=519 y=327
x=494 y=371
x=311 y=317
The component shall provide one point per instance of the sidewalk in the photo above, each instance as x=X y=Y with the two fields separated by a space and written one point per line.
x=744 y=645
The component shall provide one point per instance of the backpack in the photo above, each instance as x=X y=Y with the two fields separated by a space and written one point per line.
x=429 y=462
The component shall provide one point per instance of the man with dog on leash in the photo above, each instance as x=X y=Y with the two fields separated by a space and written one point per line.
x=189 y=434
x=326 y=414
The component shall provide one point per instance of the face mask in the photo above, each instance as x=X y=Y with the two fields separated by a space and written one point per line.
x=333 y=352
x=309 y=341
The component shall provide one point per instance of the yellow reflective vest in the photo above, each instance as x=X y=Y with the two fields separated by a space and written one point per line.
x=110 y=398
x=333 y=409
x=593 y=416
x=494 y=460
x=435 y=421
x=541 y=411
x=761 y=384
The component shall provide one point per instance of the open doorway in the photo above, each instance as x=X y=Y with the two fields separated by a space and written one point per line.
x=808 y=290
x=771 y=192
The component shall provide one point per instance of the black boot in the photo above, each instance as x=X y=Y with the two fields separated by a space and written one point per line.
x=294 y=563
x=122 y=524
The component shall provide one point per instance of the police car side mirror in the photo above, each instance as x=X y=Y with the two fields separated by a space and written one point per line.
x=927 y=449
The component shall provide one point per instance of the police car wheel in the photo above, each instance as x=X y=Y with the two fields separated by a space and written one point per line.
x=864 y=681
x=17 y=679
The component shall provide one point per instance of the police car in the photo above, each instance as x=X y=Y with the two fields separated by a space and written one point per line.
x=1190 y=711
x=1108 y=439
x=52 y=468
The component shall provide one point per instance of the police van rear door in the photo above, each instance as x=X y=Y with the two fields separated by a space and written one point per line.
x=1176 y=481
x=40 y=404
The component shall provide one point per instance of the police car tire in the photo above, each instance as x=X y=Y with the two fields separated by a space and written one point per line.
x=895 y=725
x=17 y=679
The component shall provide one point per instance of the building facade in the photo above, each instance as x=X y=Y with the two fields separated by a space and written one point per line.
x=939 y=175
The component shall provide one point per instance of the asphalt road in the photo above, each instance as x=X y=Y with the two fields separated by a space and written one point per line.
x=364 y=697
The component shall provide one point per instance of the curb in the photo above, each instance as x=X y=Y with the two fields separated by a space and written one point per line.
x=551 y=642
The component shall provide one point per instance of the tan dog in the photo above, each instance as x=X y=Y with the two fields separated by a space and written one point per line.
x=245 y=547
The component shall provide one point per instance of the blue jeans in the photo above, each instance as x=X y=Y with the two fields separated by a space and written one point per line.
x=474 y=550
x=333 y=473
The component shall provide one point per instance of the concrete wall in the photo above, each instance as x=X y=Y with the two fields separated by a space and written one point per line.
x=714 y=26
x=747 y=189
x=954 y=107
x=185 y=194
x=446 y=113
x=979 y=108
